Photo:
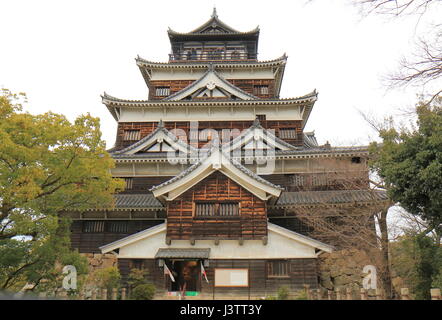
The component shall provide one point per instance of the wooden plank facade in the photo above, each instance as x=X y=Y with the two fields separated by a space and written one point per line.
x=145 y=128
x=251 y=223
x=300 y=272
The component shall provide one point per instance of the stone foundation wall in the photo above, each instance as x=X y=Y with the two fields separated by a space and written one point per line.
x=343 y=268
x=100 y=261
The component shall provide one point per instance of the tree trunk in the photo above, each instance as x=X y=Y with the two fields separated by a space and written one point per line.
x=385 y=272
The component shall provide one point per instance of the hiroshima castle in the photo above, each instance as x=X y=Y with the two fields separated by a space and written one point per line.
x=218 y=172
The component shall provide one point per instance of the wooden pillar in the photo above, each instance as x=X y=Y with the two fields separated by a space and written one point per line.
x=114 y=293
x=94 y=294
x=103 y=294
x=123 y=294
x=363 y=294
x=349 y=293
x=307 y=292
x=329 y=294
x=338 y=294
x=405 y=294
x=435 y=294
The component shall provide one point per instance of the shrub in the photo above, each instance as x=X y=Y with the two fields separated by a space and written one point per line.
x=143 y=292
x=283 y=293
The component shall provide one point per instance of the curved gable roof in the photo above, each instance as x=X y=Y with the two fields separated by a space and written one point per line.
x=211 y=77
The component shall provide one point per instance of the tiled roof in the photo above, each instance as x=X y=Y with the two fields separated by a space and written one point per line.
x=330 y=197
x=160 y=127
x=204 y=63
x=199 y=81
x=183 y=173
x=213 y=22
x=182 y=253
x=137 y=201
x=110 y=100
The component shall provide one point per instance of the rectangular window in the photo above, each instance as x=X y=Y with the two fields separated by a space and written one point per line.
x=261 y=90
x=93 y=226
x=278 y=269
x=117 y=226
x=287 y=133
x=162 y=91
x=131 y=135
x=137 y=264
x=211 y=209
x=129 y=183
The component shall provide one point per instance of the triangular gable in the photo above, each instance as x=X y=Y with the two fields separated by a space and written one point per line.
x=160 y=140
x=256 y=137
x=216 y=160
x=146 y=244
x=214 y=25
x=214 y=86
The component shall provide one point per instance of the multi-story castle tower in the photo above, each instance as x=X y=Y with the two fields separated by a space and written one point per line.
x=217 y=167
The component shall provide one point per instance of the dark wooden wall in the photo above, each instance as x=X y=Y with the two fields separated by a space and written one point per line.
x=251 y=223
x=301 y=272
x=246 y=85
x=321 y=181
x=90 y=242
x=147 y=127
x=143 y=184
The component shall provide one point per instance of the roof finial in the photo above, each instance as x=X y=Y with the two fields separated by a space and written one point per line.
x=214 y=14
x=160 y=124
x=256 y=122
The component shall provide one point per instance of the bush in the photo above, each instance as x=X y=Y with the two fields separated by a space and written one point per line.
x=283 y=293
x=143 y=292
x=108 y=278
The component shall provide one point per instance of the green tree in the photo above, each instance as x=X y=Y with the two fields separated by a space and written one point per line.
x=418 y=262
x=141 y=288
x=410 y=163
x=48 y=166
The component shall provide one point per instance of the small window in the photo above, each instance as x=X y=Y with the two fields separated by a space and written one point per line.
x=131 y=135
x=297 y=180
x=287 y=133
x=356 y=160
x=278 y=269
x=319 y=179
x=137 y=264
x=261 y=90
x=129 y=183
x=117 y=227
x=211 y=209
x=162 y=91
x=93 y=226
x=261 y=117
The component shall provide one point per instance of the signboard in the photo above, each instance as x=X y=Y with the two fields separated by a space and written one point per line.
x=231 y=277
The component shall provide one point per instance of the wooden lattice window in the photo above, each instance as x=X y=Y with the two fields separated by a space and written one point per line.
x=287 y=133
x=212 y=209
x=131 y=135
x=278 y=269
x=117 y=227
x=162 y=91
x=93 y=226
x=297 y=180
x=261 y=89
x=319 y=179
x=129 y=183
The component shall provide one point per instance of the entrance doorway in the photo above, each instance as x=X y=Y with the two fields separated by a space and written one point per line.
x=187 y=274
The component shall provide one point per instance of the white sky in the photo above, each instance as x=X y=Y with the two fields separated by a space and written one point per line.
x=65 y=54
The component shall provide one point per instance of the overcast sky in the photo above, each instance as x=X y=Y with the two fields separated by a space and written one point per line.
x=65 y=54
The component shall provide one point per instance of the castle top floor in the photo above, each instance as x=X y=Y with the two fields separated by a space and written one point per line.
x=214 y=41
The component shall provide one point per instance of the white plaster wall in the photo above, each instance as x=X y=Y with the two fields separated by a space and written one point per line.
x=290 y=112
x=195 y=74
x=278 y=247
